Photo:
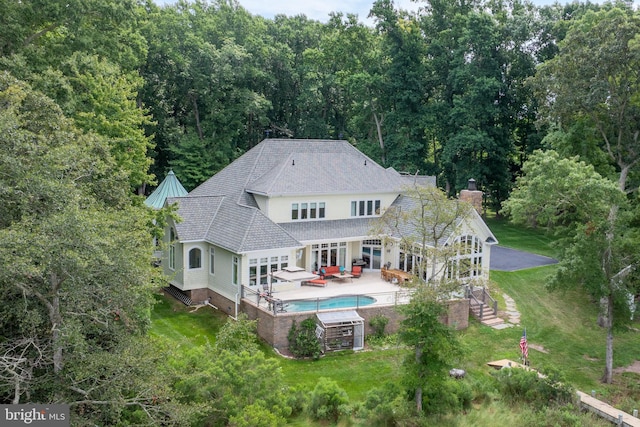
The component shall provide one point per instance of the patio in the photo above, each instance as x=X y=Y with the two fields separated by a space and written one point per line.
x=369 y=284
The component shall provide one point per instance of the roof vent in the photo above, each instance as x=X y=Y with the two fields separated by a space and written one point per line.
x=472 y=185
x=365 y=162
x=293 y=162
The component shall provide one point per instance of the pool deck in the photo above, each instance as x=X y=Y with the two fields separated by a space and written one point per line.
x=369 y=283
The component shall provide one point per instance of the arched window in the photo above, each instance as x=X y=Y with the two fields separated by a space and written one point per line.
x=195 y=258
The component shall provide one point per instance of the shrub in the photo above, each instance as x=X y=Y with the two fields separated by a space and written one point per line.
x=385 y=405
x=520 y=385
x=379 y=323
x=303 y=341
x=328 y=401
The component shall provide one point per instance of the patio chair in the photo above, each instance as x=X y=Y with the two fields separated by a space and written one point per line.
x=356 y=271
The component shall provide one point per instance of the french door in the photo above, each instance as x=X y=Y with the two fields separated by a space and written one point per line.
x=372 y=254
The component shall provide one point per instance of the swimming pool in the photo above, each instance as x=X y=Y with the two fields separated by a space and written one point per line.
x=344 y=301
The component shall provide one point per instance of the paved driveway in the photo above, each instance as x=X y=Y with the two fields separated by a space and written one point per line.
x=505 y=259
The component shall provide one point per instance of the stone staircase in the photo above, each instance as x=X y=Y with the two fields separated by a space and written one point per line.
x=178 y=294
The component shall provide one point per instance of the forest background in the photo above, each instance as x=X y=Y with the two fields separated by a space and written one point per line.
x=100 y=99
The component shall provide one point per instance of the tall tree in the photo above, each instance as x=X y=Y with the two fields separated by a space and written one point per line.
x=428 y=224
x=599 y=246
x=596 y=78
x=76 y=274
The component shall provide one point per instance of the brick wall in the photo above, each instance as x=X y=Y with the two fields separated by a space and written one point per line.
x=274 y=329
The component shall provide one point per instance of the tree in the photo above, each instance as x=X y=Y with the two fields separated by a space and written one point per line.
x=599 y=246
x=76 y=255
x=596 y=76
x=594 y=81
x=428 y=224
x=222 y=385
x=434 y=344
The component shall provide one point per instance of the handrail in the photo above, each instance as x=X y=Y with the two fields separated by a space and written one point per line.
x=484 y=295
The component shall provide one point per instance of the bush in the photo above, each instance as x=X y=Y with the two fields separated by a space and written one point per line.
x=303 y=341
x=328 y=401
x=450 y=396
x=379 y=323
x=520 y=385
x=386 y=405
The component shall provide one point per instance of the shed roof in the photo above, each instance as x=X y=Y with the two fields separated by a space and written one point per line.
x=348 y=316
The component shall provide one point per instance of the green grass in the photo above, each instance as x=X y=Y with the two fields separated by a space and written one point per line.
x=355 y=372
x=172 y=320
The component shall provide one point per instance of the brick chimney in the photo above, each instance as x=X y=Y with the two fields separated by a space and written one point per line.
x=472 y=195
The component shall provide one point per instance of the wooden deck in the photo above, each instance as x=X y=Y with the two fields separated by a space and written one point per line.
x=606 y=411
x=586 y=401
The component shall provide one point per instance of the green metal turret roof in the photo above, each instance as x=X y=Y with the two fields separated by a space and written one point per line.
x=169 y=187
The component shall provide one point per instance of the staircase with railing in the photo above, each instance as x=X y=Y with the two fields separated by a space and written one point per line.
x=482 y=305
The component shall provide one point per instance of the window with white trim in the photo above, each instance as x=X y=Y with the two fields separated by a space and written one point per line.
x=308 y=210
x=259 y=268
x=365 y=207
x=234 y=269
x=172 y=249
x=468 y=262
x=195 y=259
x=212 y=260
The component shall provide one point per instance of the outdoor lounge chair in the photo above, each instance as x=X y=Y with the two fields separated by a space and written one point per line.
x=356 y=271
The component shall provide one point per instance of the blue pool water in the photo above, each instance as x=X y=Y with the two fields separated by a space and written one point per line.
x=329 y=303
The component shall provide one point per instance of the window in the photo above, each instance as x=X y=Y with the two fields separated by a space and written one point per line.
x=260 y=268
x=195 y=258
x=468 y=262
x=172 y=249
x=212 y=260
x=234 y=271
x=365 y=207
x=308 y=210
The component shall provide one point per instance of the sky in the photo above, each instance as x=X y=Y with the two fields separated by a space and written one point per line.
x=319 y=9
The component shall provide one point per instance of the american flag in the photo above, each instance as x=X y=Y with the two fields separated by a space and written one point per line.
x=524 y=348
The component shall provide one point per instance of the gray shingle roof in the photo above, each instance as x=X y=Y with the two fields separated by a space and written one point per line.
x=284 y=166
x=223 y=211
x=223 y=222
x=332 y=229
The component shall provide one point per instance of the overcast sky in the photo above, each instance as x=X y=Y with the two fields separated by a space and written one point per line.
x=319 y=9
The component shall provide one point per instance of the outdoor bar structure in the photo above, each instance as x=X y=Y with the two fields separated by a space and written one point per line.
x=340 y=330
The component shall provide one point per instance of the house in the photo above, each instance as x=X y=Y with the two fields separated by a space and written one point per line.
x=291 y=203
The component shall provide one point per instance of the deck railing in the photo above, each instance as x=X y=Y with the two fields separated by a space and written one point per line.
x=278 y=305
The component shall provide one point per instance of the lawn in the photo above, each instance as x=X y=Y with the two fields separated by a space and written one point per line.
x=561 y=330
